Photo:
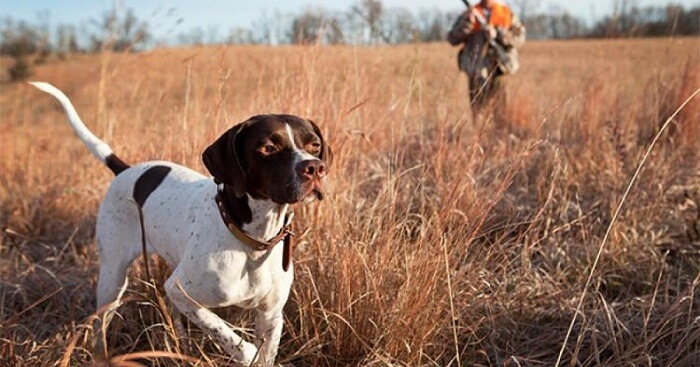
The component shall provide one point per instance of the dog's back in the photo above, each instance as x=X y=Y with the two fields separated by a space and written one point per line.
x=157 y=187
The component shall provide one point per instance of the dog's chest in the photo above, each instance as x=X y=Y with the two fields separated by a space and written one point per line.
x=230 y=277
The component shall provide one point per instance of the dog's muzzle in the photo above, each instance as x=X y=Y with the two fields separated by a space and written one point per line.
x=312 y=174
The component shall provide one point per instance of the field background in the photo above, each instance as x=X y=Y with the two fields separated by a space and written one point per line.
x=448 y=240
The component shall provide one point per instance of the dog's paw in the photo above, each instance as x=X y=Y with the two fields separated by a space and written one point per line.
x=245 y=354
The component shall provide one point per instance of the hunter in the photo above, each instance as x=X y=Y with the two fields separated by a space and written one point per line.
x=484 y=60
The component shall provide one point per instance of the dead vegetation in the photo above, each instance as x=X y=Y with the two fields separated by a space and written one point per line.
x=448 y=241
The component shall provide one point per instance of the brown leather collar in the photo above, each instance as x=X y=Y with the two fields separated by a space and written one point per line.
x=286 y=233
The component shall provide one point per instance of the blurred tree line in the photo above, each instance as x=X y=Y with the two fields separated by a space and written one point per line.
x=367 y=22
x=113 y=30
x=626 y=20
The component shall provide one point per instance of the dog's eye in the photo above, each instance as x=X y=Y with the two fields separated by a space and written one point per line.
x=314 y=148
x=267 y=148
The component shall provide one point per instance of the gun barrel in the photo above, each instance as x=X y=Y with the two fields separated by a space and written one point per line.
x=479 y=17
x=477 y=14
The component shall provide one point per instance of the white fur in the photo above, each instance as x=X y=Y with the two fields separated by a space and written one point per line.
x=211 y=267
x=98 y=147
x=299 y=154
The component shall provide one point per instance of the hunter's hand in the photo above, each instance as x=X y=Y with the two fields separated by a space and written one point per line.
x=492 y=32
x=471 y=16
x=464 y=24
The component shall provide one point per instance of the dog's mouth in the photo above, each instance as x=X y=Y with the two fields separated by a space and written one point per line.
x=312 y=190
x=318 y=193
x=302 y=192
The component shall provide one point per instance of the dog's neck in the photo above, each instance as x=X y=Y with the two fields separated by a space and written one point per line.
x=261 y=219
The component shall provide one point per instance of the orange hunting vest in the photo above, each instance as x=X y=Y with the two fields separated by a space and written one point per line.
x=500 y=16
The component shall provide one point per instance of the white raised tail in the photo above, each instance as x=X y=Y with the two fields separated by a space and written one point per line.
x=99 y=148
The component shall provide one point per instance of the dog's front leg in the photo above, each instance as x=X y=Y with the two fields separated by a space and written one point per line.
x=268 y=328
x=242 y=351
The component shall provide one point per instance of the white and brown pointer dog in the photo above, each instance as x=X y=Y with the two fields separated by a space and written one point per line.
x=227 y=239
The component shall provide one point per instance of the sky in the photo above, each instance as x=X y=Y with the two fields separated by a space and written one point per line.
x=223 y=15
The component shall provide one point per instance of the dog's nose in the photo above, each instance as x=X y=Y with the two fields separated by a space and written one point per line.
x=312 y=168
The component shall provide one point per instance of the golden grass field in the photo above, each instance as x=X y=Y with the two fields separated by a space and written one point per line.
x=447 y=240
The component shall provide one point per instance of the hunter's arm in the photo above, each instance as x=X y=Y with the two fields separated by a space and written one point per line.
x=459 y=32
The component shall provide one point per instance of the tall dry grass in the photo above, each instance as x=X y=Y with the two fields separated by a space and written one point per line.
x=448 y=240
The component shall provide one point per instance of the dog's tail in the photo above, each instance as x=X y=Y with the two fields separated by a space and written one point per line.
x=98 y=147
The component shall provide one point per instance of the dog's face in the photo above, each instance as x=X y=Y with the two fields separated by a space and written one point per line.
x=282 y=158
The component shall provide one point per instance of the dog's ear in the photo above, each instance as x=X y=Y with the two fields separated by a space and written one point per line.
x=326 y=153
x=223 y=162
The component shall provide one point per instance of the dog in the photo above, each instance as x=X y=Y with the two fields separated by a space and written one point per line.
x=227 y=239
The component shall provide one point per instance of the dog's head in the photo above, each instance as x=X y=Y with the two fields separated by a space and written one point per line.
x=282 y=158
